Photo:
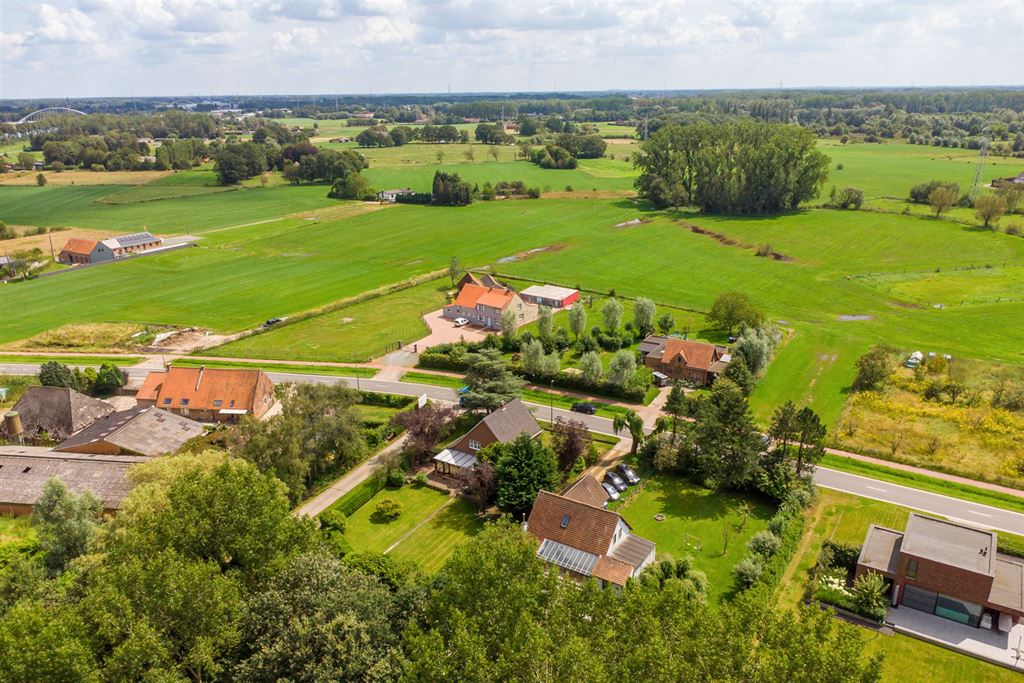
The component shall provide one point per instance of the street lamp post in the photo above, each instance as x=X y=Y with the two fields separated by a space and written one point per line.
x=552 y=401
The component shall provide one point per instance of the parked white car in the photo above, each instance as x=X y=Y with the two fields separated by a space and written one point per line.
x=461 y=322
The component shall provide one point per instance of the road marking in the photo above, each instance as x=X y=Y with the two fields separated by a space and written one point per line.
x=875 y=488
x=980 y=514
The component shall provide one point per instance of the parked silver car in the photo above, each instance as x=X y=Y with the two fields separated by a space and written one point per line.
x=610 y=490
x=615 y=480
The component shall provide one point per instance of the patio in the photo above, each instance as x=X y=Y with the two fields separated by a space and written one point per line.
x=1006 y=649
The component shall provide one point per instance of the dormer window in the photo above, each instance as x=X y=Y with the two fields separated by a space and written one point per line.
x=565 y=521
x=168 y=401
x=474 y=445
x=184 y=401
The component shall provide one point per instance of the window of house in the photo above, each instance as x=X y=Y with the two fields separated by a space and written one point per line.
x=232 y=403
x=184 y=401
x=565 y=521
x=167 y=401
x=218 y=403
x=474 y=445
x=912 y=569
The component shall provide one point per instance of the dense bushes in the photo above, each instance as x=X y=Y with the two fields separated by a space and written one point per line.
x=553 y=156
x=831 y=582
x=450 y=190
x=919 y=193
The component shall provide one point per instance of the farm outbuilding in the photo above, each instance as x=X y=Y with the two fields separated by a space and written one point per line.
x=58 y=412
x=550 y=296
x=24 y=475
x=77 y=250
x=136 y=431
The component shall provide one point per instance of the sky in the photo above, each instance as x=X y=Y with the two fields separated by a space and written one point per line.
x=82 y=48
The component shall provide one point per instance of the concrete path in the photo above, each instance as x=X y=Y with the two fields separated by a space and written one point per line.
x=314 y=506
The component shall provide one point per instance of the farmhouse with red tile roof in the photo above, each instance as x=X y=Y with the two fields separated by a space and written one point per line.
x=684 y=359
x=482 y=306
x=208 y=394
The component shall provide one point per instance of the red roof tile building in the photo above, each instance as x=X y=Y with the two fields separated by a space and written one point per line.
x=208 y=394
x=685 y=359
x=77 y=250
x=483 y=306
x=586 y=541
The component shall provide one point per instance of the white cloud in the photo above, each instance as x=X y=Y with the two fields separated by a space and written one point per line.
x=291 y=46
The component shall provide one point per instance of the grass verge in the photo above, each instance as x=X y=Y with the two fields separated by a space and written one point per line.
x=120 y=361
x=953 y=489
x=279 y=367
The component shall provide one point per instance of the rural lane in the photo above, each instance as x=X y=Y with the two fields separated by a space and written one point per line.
x=924 y=501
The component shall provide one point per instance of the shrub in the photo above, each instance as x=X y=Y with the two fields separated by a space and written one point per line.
x=764 y=544
x=388 y=509
x=747 y=571
x=333 y=520
x=840 y=555
x=868 y=596
x=421 y=479
x=396 y=479
x=919 y=193
x=777 y=524
x=847 y=198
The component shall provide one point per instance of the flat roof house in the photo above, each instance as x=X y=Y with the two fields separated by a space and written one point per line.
x=483 y=306
x=504 y=424
x=58 y=412
x=77 y=250
x=947 y=569
x=137 y=431
x=550 y=296
x=586 y=541
x=684 y=359
x=208 y=394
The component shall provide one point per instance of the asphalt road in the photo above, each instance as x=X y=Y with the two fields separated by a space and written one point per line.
x=924 y=501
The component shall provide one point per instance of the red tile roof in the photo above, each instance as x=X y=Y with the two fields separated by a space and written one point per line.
x=587 y=490
x=470 y=295
x=612 y=570
x=694 y=354
x=78 y=245
x=588 y=528
x=202 y=387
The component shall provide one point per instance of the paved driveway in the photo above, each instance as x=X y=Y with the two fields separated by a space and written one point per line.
x=443 y=331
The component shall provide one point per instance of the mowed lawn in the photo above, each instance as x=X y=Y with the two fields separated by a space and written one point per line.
x=428 y=545
x=350 y=334
x=845 y=518
x=420 y=177
x=693 y=526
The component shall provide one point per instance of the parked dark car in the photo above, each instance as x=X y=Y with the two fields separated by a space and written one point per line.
x=272 y=322
x=615 y=480
x=584 y=407
x=628 y=473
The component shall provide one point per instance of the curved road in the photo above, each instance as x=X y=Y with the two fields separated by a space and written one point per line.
x=924 y=501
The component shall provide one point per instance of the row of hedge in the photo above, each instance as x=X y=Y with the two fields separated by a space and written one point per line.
x=634 y=393
x=766 y=562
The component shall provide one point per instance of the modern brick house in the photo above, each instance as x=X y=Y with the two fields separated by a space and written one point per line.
x=586 y=541
x=503 y=425
x=947 y=569
x=77 y=250
x=550 y=296
x=684 y=359
x=483 y=306
x=208 y=394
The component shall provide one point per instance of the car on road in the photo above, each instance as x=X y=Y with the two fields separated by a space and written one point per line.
x=461 y=322
x=628 y=473
x=272 y=322
x=613 y=494
x=615 y=480
x=584 y=407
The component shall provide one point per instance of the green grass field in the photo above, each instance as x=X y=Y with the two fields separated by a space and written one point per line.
x=845 y=518
x=428 y=545
x=278 y=367
x=353 y=333
x=420 y=177
x=878 y=265
x=891 y=169
x=693 y=524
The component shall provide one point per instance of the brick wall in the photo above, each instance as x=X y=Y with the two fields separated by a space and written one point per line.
x=951 y=581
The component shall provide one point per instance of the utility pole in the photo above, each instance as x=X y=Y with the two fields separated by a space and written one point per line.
x=51 y=246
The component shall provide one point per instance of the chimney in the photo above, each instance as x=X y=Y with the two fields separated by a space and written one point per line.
x=12 y=425
x=199 y=379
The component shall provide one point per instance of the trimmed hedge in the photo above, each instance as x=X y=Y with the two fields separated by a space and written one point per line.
x=359 y=496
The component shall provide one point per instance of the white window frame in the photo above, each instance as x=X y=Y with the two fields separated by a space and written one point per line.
x=475 y=445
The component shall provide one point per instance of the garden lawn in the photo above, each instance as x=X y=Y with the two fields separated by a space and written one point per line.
x=433 y=543
x=845 y=518
x=693 y=526
x=430 y=543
